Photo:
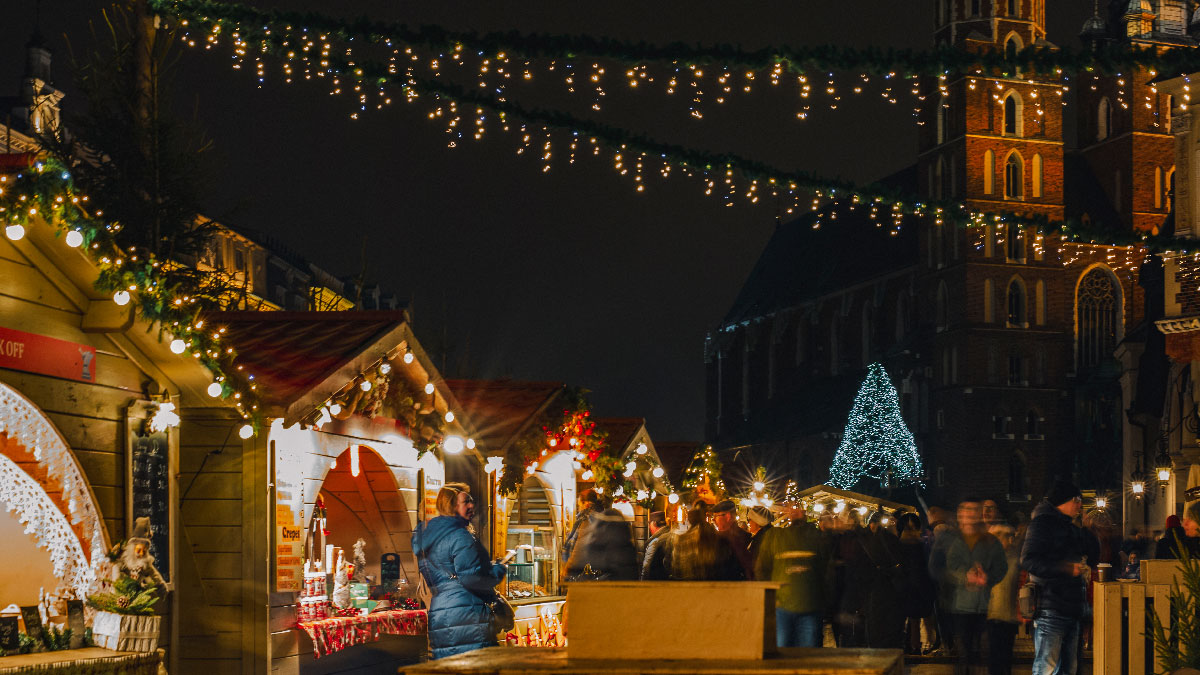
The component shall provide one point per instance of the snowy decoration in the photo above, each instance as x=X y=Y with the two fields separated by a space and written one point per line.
x=25 y=423
x=877 y=443
x=47 y=524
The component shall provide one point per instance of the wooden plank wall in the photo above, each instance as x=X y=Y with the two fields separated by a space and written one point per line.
x=90 y=416
x=221 y=561
x=290 y=649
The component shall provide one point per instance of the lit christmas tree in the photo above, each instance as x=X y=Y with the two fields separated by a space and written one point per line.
x=877 y=443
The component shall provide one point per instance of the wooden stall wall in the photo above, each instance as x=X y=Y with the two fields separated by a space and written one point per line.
x=222 y=560
x=36 y=299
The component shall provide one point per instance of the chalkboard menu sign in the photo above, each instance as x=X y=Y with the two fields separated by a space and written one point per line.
x=10 y=633
x=389 y=568
x=151 y=483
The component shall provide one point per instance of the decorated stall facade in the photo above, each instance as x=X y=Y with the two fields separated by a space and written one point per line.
x=358 y=428
x=88 y=442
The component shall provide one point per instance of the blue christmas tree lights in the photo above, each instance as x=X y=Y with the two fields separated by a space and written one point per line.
x=876 y=443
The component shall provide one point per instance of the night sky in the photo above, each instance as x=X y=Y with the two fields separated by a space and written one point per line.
x=569 y=275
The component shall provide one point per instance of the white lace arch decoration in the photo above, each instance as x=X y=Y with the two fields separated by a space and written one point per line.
x=47 y=524
x=23 y=421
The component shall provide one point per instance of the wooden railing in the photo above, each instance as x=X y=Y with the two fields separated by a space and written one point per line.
x=1121 y=612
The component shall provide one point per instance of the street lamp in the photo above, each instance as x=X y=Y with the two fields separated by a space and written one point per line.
x=1162 y=462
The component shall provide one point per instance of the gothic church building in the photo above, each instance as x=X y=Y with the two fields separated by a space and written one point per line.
x=1015 y=354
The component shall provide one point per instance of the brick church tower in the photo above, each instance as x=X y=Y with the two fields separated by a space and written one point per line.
x=1024 y=326
x=1124 y=121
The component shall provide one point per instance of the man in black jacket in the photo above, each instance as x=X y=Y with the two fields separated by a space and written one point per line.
x=1055 y=556
x=655 y=560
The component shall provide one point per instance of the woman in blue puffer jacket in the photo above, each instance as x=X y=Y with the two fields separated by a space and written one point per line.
x=460 y=572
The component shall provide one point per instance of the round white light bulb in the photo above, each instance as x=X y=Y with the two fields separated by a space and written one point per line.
x=385 y=367
x=657 y=472
x=335 y=408
x=74 y=239
x=246 y=431
x=365 y=386
x=449 y=416
x=758 y=486
x=673 y=498
x=408 y=357
x=121 y=297
x=429 y=388
x=214 y=389
x=453 y=444
x=15 y=231
x=471 y=443
x=177 y=346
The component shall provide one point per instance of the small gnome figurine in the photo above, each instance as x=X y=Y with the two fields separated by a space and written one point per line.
x=341 y=584
x=135 y=561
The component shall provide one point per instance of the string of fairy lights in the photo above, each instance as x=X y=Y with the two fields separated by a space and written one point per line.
x=417 y=62
x=172 y=296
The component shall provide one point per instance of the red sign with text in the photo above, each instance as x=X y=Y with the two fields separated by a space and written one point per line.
x=34 y=353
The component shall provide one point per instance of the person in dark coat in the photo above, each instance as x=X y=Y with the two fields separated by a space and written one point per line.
x=605 y=551
x=1055 y=556
x=1177 y=534
x=724 y=518
x=589 y=503
x=974 y=563
x=869 y=611
x=916 y=603
x=700 y=554
x=654 y=560
x=759 y=524
x=460 y=573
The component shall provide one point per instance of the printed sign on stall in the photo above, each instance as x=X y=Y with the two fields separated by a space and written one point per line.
x=45 y=355
x=289 y=533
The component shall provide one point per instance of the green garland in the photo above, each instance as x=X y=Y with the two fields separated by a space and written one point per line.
x=166 y=294
x=1108 y=58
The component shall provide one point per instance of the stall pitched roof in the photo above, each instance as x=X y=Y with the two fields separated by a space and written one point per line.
x=621 y=431
x=295 y=354
x=675 y=457
x=500 y=410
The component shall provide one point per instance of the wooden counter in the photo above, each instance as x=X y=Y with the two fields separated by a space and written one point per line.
x=87 y=660
x=507 y=661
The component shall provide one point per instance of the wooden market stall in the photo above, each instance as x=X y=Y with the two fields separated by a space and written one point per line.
x=81 y=379
x=360 y=427
x=533 y=519
x=822 y=500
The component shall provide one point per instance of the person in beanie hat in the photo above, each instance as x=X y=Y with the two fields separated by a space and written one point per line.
x=758 y=523
x=724 y=518
x=1055 y=556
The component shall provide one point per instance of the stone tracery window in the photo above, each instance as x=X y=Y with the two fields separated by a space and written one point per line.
x=1097 y=307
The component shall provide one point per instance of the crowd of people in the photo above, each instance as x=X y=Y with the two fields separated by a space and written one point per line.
x=956 y=583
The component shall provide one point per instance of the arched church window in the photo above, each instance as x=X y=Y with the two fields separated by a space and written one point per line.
x=1013 y=119
x=1014 y=8
x=1037 y=176
x=1013 y=177
x=942 y=316
x=1014 y=243
x=1016 y=304
x=1098 y=317
x=989 y=172
x=1103 y=119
